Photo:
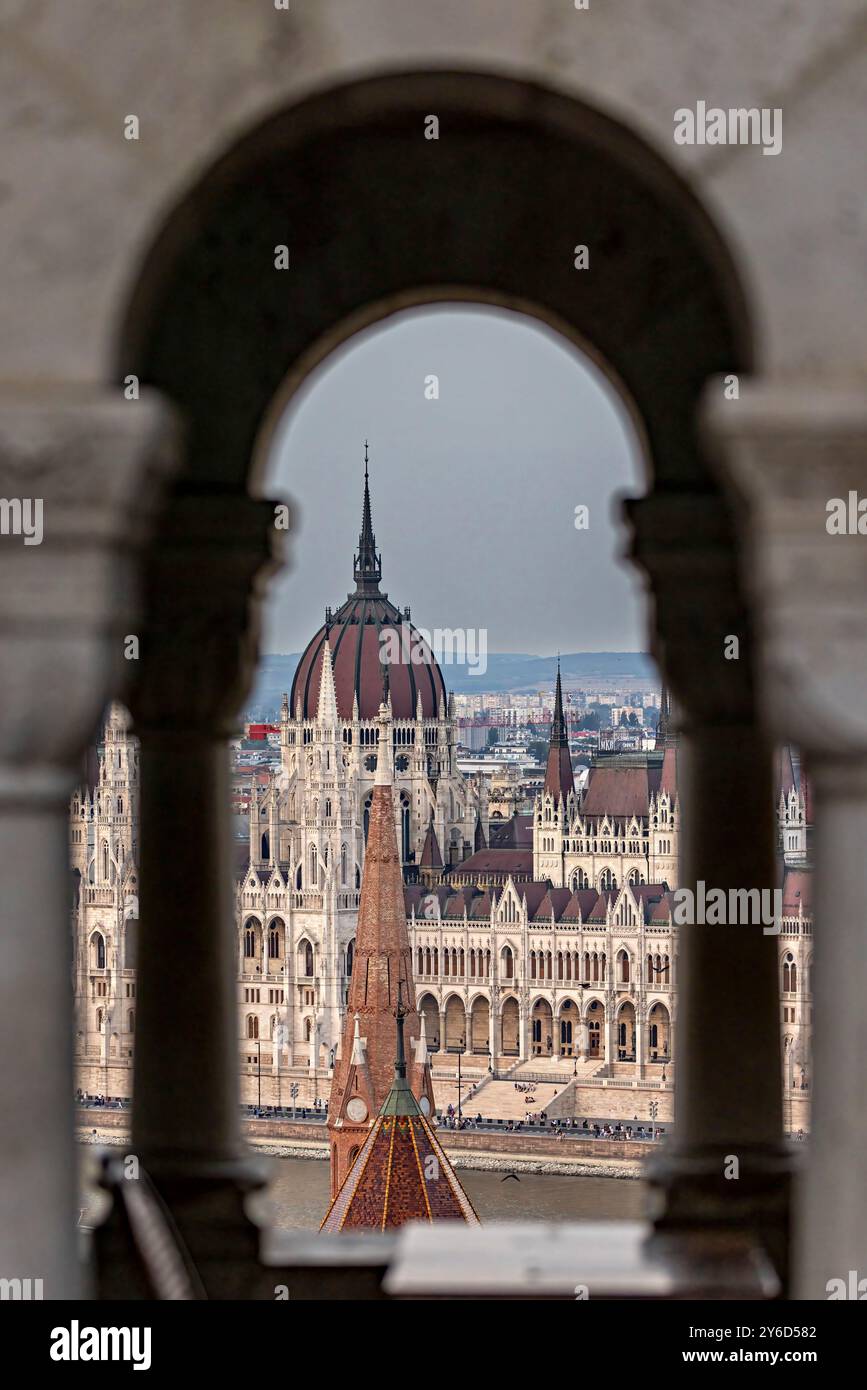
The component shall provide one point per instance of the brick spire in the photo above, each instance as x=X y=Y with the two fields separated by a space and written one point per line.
x=382 y=964
x=400 y=1174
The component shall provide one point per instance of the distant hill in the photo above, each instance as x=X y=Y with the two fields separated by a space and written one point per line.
x=513 y=672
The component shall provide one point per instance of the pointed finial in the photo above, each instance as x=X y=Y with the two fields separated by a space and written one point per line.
x=400 y=1014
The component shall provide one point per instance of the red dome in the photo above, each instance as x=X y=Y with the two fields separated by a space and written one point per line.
x=353 y=633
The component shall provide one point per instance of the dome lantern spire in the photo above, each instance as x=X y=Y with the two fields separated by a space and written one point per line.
x=368 y=564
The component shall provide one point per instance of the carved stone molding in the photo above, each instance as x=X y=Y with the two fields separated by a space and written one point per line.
x=785 y=451
x=97 y=464
x=204 y=584
x=686 y=543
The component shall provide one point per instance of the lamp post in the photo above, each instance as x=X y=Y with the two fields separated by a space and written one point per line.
x=460 y=1049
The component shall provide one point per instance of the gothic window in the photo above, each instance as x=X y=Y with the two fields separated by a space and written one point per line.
x=97 y=951
x=532 y=965
x=130 y=1021
x=350 y=957
x=508 y=963
x=327 y=809
x=252 y=1026
x=266 y=851
x=249 y=942
x=419 y=961
x=790 y=974
x=305 y=959
x=314 y=867
x=104 y=860
x=120 y=805
x=274 y=942
x=343 y=864
x=623 y=967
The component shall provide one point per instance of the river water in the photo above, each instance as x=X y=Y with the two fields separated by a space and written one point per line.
x=299 y=1192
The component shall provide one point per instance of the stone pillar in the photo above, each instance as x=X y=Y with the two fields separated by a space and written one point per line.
x=203 y=586
x=641 y=1026
x=728 y=1099
x=95 y=463
x=788 y=451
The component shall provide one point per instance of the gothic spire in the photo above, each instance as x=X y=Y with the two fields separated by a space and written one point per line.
x=558 y=772
x=368 y=564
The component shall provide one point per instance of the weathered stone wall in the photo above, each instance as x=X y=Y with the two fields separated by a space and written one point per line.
x=81 y=202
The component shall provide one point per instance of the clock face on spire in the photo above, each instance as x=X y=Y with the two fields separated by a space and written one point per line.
x=356 y=1110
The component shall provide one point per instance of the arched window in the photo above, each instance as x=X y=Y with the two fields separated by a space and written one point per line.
x=623 y=967
x=790 y=974
x=350 y=957
x=249 y=941
x=404 y=827
x=532 y=965
x=97 y=951
x=419 y=961
x=120 y=805
x=274 y=942
x=508 y=962
x=314 y=867
x=305 y=959
x=130 y=1021
x=252 y=1026
x=266 y=849
x=343 y=864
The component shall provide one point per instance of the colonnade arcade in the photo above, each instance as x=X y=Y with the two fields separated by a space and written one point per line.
x=219 y=340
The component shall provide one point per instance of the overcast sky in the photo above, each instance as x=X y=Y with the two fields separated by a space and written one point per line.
x=473 y=494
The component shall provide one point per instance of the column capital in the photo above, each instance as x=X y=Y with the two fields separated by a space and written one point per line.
x=207 y=575
x=687 y=545
x=89 y=467
x=785 y=451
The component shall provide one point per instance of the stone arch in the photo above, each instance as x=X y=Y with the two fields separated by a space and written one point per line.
x=542 y=1029
x=305 y=959
x=594 y=1023
x=480 y=1017
x=510 y=1027
x=97 y=950
x=567 y=1030
x=215 y=329
x=456 y=1022
x=428 y=1006
x=329 y=156
x=658 y=1033
x=626 y=1032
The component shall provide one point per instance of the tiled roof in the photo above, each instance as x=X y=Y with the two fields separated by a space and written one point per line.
x=618 y=792
x=797 y=892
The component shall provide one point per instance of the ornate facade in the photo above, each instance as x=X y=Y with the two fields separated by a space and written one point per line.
x=555 y=940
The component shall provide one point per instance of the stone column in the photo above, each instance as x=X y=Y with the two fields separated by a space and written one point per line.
x=212 y=557
x=95 y=463
x=641 y=1026
x=788 y=451
x=728 y=1099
